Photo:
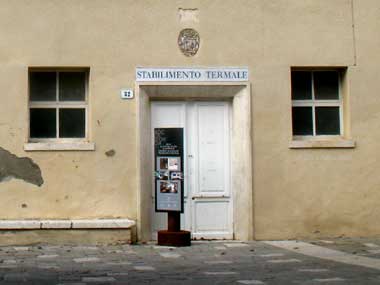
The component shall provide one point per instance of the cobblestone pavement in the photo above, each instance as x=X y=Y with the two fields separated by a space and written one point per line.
x=203 y=263
x=357 y=246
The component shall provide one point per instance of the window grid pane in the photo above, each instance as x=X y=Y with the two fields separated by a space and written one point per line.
x=43 y=123
x=72 y=86
x=64 y=116
x=326 y=85
x=327 y=120
x=301 y=84
x=324 y=105
x=302 y=118
x=42 y=86
x=72 y=123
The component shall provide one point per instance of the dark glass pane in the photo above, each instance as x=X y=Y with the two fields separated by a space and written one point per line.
x=327 y=120
x=326 y=85
x=72 y=123
x=42 y=86
x=302 y=121
x=43 y=123
x=72 y=86
x=301 y=85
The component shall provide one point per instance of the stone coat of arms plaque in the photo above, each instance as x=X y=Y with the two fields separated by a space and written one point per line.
x=188 y=42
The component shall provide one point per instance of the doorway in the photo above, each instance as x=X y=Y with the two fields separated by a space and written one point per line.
x=207 y=166
x=185 y=95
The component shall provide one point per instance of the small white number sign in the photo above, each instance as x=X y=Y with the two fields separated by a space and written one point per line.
x=126 y=94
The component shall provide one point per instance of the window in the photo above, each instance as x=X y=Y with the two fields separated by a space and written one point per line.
x=317 y=108
x=58 y=105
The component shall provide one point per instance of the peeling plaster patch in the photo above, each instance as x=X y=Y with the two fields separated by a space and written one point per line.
x=188 y=15
x=22 y=168
x=110 y=153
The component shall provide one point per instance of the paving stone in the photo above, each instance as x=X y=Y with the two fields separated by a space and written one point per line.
x=16 y=277
x=85 y=248
x=48 y=266
x=98 y=279
x=71 y=283
x=170 y=254
x=52 y=247
x=220 y=247
x=86 y=259
x=70 y=278
x=47 y=256
x=119 y=263
x=9 y=266
x=372 y=245
x=117 y=273
x=220 y=273
x=144 y=268
x=21 y=248
x=291 y=260
x=9 y=261
x=218 y=262
x=327 y=241
x=237 y=244
x=271 y=255
x=115 y=251
x=313 y=270
x=374 y=251
x=329 y=280
x=163 y=247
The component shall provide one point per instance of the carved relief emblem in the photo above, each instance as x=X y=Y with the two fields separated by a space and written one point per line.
x=188 y=42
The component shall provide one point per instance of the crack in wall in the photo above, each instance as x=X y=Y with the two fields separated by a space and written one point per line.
x=23 y=168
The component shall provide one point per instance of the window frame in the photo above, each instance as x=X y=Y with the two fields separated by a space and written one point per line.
x=313 y=103
x=57 y=105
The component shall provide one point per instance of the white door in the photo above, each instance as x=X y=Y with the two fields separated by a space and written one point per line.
x=207 y=193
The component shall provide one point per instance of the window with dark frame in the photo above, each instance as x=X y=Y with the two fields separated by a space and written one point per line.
x=58 y=105
x=316 y=103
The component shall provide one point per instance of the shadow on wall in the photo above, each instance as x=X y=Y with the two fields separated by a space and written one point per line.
x=22 y=168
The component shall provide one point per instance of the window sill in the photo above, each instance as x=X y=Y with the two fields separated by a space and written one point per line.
x=326 y=143
x=65 y=146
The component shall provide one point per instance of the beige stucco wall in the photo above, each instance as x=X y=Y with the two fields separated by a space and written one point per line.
x=297 y=192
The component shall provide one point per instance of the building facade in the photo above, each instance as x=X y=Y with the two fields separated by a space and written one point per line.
x=280 y=136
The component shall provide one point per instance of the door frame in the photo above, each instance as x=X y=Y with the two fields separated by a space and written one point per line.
x=189 y=121
x=241 y=146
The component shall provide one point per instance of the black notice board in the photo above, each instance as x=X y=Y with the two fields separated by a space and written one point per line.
x=169 y=171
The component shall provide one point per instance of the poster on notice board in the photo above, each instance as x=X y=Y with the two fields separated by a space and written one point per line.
x=168 y=153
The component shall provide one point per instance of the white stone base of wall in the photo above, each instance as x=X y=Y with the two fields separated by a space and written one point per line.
x=66 y=224
x=85 y=231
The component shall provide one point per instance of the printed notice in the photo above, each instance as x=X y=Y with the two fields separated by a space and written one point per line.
x=169 y=169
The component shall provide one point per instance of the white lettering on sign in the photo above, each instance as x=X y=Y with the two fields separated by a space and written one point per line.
x=192 y=74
